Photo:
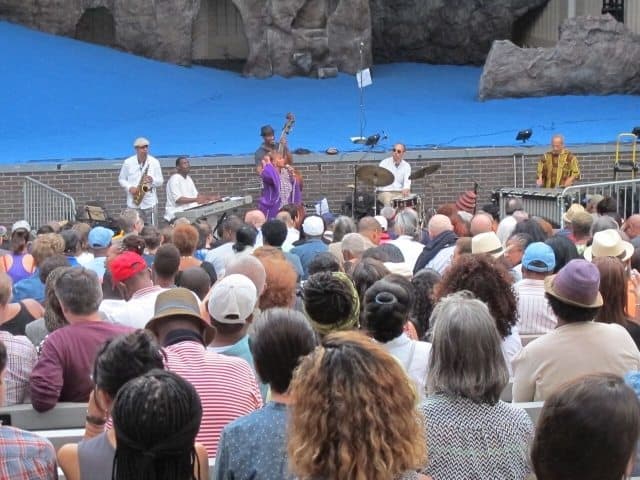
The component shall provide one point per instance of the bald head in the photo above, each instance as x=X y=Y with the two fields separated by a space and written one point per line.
x=250 y=267
x=632 y=226
x=481 y=223
x=370 y=228
x=439 y=224
x=255 y=218
x=285 y=217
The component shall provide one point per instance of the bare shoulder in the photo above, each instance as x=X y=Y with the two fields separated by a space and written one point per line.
x=68 y=461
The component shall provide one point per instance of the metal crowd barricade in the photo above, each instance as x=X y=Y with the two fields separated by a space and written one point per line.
x=43 y=203
x=625 y=192
x=551 y=203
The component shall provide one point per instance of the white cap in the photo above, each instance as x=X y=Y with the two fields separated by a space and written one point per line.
x=233 y=299
x=141 y=142
x=383 y=222
x=21 y=224
x=313 y=226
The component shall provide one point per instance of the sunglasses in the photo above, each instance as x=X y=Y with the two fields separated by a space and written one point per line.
x=396 y=150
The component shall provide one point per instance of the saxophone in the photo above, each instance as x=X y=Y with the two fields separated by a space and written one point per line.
x=143 y=188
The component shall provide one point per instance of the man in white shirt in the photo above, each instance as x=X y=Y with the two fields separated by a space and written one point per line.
x=132 y=278
x=401 y=171
x=219 y=256
x=406 y=228
x=130 y=174
x=182 y=192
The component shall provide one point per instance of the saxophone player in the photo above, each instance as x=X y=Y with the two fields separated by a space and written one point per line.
x=140 y=176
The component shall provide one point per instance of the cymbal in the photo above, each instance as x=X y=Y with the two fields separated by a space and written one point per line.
x=374 y=175
x=424 y=171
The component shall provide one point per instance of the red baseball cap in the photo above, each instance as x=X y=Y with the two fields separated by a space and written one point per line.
x=126 y=265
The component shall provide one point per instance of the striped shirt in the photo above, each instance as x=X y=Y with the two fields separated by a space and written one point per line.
x=21 y=357
x=534 y=313
x=227 y=387
x=26 y=456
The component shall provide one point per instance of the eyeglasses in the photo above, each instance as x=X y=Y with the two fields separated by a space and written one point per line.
x=143 y=146
x=396 y=150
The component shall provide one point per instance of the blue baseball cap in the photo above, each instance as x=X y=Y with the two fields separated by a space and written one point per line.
x=100 y=237
x=539 y=257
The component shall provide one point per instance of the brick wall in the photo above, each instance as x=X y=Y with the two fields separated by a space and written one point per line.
x=324 y=176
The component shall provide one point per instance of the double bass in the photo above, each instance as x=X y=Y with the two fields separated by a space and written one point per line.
x=284 y=151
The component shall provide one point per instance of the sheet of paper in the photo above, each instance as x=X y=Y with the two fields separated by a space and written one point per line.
x=364 y=78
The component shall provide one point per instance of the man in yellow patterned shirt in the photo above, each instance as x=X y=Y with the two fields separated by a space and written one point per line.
x=557 y=168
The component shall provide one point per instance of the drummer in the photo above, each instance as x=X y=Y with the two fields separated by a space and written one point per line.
x=401 y=171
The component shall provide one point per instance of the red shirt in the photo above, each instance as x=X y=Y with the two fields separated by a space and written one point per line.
x=227 y=387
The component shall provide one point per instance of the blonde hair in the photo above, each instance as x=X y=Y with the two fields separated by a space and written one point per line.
x=45 y=246
x=5 y=288
x=353 y=413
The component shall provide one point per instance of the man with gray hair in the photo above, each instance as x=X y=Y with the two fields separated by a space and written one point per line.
x=62 y=372
x=406 y=229
x=129 y=221
x=438 y=251
x=508 y=223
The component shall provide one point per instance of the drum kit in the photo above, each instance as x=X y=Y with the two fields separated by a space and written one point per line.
x=377 y=177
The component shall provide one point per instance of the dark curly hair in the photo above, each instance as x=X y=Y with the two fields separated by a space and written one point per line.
x=424 y=283
x=489 y=281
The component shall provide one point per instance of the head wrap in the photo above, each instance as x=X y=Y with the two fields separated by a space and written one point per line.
x=350 y=321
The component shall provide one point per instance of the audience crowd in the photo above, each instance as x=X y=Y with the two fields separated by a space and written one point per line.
x=321 y=348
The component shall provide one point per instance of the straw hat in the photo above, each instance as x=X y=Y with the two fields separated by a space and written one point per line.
x=608 y=243
x=573 y=209
x=487 y=242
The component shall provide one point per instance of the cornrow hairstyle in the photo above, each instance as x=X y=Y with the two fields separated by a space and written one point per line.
x=125 y=357
x=156 y=418
x=387 y=307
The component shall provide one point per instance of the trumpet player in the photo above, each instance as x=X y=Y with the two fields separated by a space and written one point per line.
x=140 y=176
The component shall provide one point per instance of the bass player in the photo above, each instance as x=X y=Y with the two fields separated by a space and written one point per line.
x=140 y=176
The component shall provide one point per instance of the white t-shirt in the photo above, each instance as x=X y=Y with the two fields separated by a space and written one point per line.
x=414 y=358
x=401 y=175
x=130 y=175
x=179 y=186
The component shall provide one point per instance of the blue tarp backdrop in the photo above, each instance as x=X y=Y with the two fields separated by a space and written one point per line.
x=63 y=99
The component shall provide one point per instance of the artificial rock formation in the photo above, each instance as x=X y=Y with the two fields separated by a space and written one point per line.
x=443 y=31
x=594 y=55
x=157 y=29
x=285 y=37
x=305 y=37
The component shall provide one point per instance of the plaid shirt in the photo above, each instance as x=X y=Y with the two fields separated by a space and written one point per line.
x=26 y=456
x=21 y=357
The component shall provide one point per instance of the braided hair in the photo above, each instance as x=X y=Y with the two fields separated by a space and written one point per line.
x=156 y=418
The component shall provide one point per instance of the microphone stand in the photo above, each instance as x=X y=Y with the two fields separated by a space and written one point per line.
x=361 y=139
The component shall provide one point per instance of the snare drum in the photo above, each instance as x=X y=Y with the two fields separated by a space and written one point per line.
x=400 y=203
